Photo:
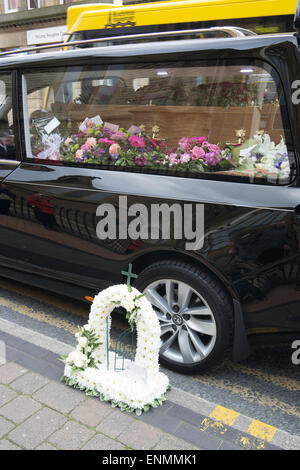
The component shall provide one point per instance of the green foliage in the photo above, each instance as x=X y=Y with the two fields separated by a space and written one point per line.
x=72 y=382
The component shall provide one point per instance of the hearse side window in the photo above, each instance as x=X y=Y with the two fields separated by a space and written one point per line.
x=7 y=141
x=223 y=120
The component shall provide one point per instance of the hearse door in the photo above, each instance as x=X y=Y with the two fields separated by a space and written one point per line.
x=50 y=222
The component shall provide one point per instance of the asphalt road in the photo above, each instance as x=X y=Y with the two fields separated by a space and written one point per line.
x=265 y=387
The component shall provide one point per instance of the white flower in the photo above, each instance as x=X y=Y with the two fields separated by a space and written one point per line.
x=83 y=341
x=77 y=358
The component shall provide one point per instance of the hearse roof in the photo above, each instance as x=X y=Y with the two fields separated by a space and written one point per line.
x=236 y=46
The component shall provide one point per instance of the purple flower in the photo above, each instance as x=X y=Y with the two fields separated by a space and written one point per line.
x=141 y=161
x=100 y=152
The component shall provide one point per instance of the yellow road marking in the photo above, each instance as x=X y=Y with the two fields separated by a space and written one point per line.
x=50 y=299
x=249 y=395
x=40 y=316
x=256 y=441
x=248 y=444
x=43 y=317
x=245 y=441
x=261 y=430
x=78 y=309
x=209 y=424
x=225 y=415
x=279 y=380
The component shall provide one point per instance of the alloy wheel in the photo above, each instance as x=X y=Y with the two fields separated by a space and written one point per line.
x=188 y=327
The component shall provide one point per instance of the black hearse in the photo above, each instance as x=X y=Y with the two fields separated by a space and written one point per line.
x=207 y=131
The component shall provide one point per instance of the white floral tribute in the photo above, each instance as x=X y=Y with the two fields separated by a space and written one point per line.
x=260 y=153
x=86 y=367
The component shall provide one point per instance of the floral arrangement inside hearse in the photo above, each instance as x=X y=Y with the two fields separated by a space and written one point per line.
x=107 y=144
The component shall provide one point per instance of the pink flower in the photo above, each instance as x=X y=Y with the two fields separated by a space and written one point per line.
x=91 y=141
x=79 y=154
x=68 y=141
x=136 y=141
x=114 y=149
x=197 y=152
x=205 y=143
x=183 y=143
x=214 y=148
x=118 y=135
x=153 y=142
x=210 y=159
x=173 y=158
x=141 y=161
x=163 y=146
x=185 y=158
x=200 y=140
x=86 y=147
x=105 y=140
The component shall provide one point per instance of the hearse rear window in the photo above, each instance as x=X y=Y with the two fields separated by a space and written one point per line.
x=223 y=120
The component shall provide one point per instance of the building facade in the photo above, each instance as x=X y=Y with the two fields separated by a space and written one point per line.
x=26 y=23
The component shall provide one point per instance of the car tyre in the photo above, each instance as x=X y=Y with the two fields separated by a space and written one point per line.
x=195 y=314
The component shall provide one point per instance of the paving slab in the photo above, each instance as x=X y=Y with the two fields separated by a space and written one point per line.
x=5 y=427
x=45 y=446
x=29 y=383
x=169 y=442
x=71 y=436
x=158 y=417
x=59 y=396
x=11 y=371
x=101 y=442
x=198 y=438
x=115 y=423
x=37 y=429
x=91 y=412
x=20 y=409
x=7 y=445
x=6 y=394
x=140 y=436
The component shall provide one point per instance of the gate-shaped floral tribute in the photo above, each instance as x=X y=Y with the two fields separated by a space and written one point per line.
x=136 y=388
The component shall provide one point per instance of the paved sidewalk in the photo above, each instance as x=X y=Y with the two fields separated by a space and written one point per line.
x=37 y=411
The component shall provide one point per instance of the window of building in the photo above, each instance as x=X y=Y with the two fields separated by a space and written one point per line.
x=33 y=4
x=10 y=5
x=223 y=121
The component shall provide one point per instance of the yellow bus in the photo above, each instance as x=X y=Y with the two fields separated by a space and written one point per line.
x=92 y=21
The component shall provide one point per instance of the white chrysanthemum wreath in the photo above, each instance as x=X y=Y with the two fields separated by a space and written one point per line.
x=86 y=367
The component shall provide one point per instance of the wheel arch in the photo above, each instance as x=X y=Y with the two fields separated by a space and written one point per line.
x=145 y=259
x=240 y=346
